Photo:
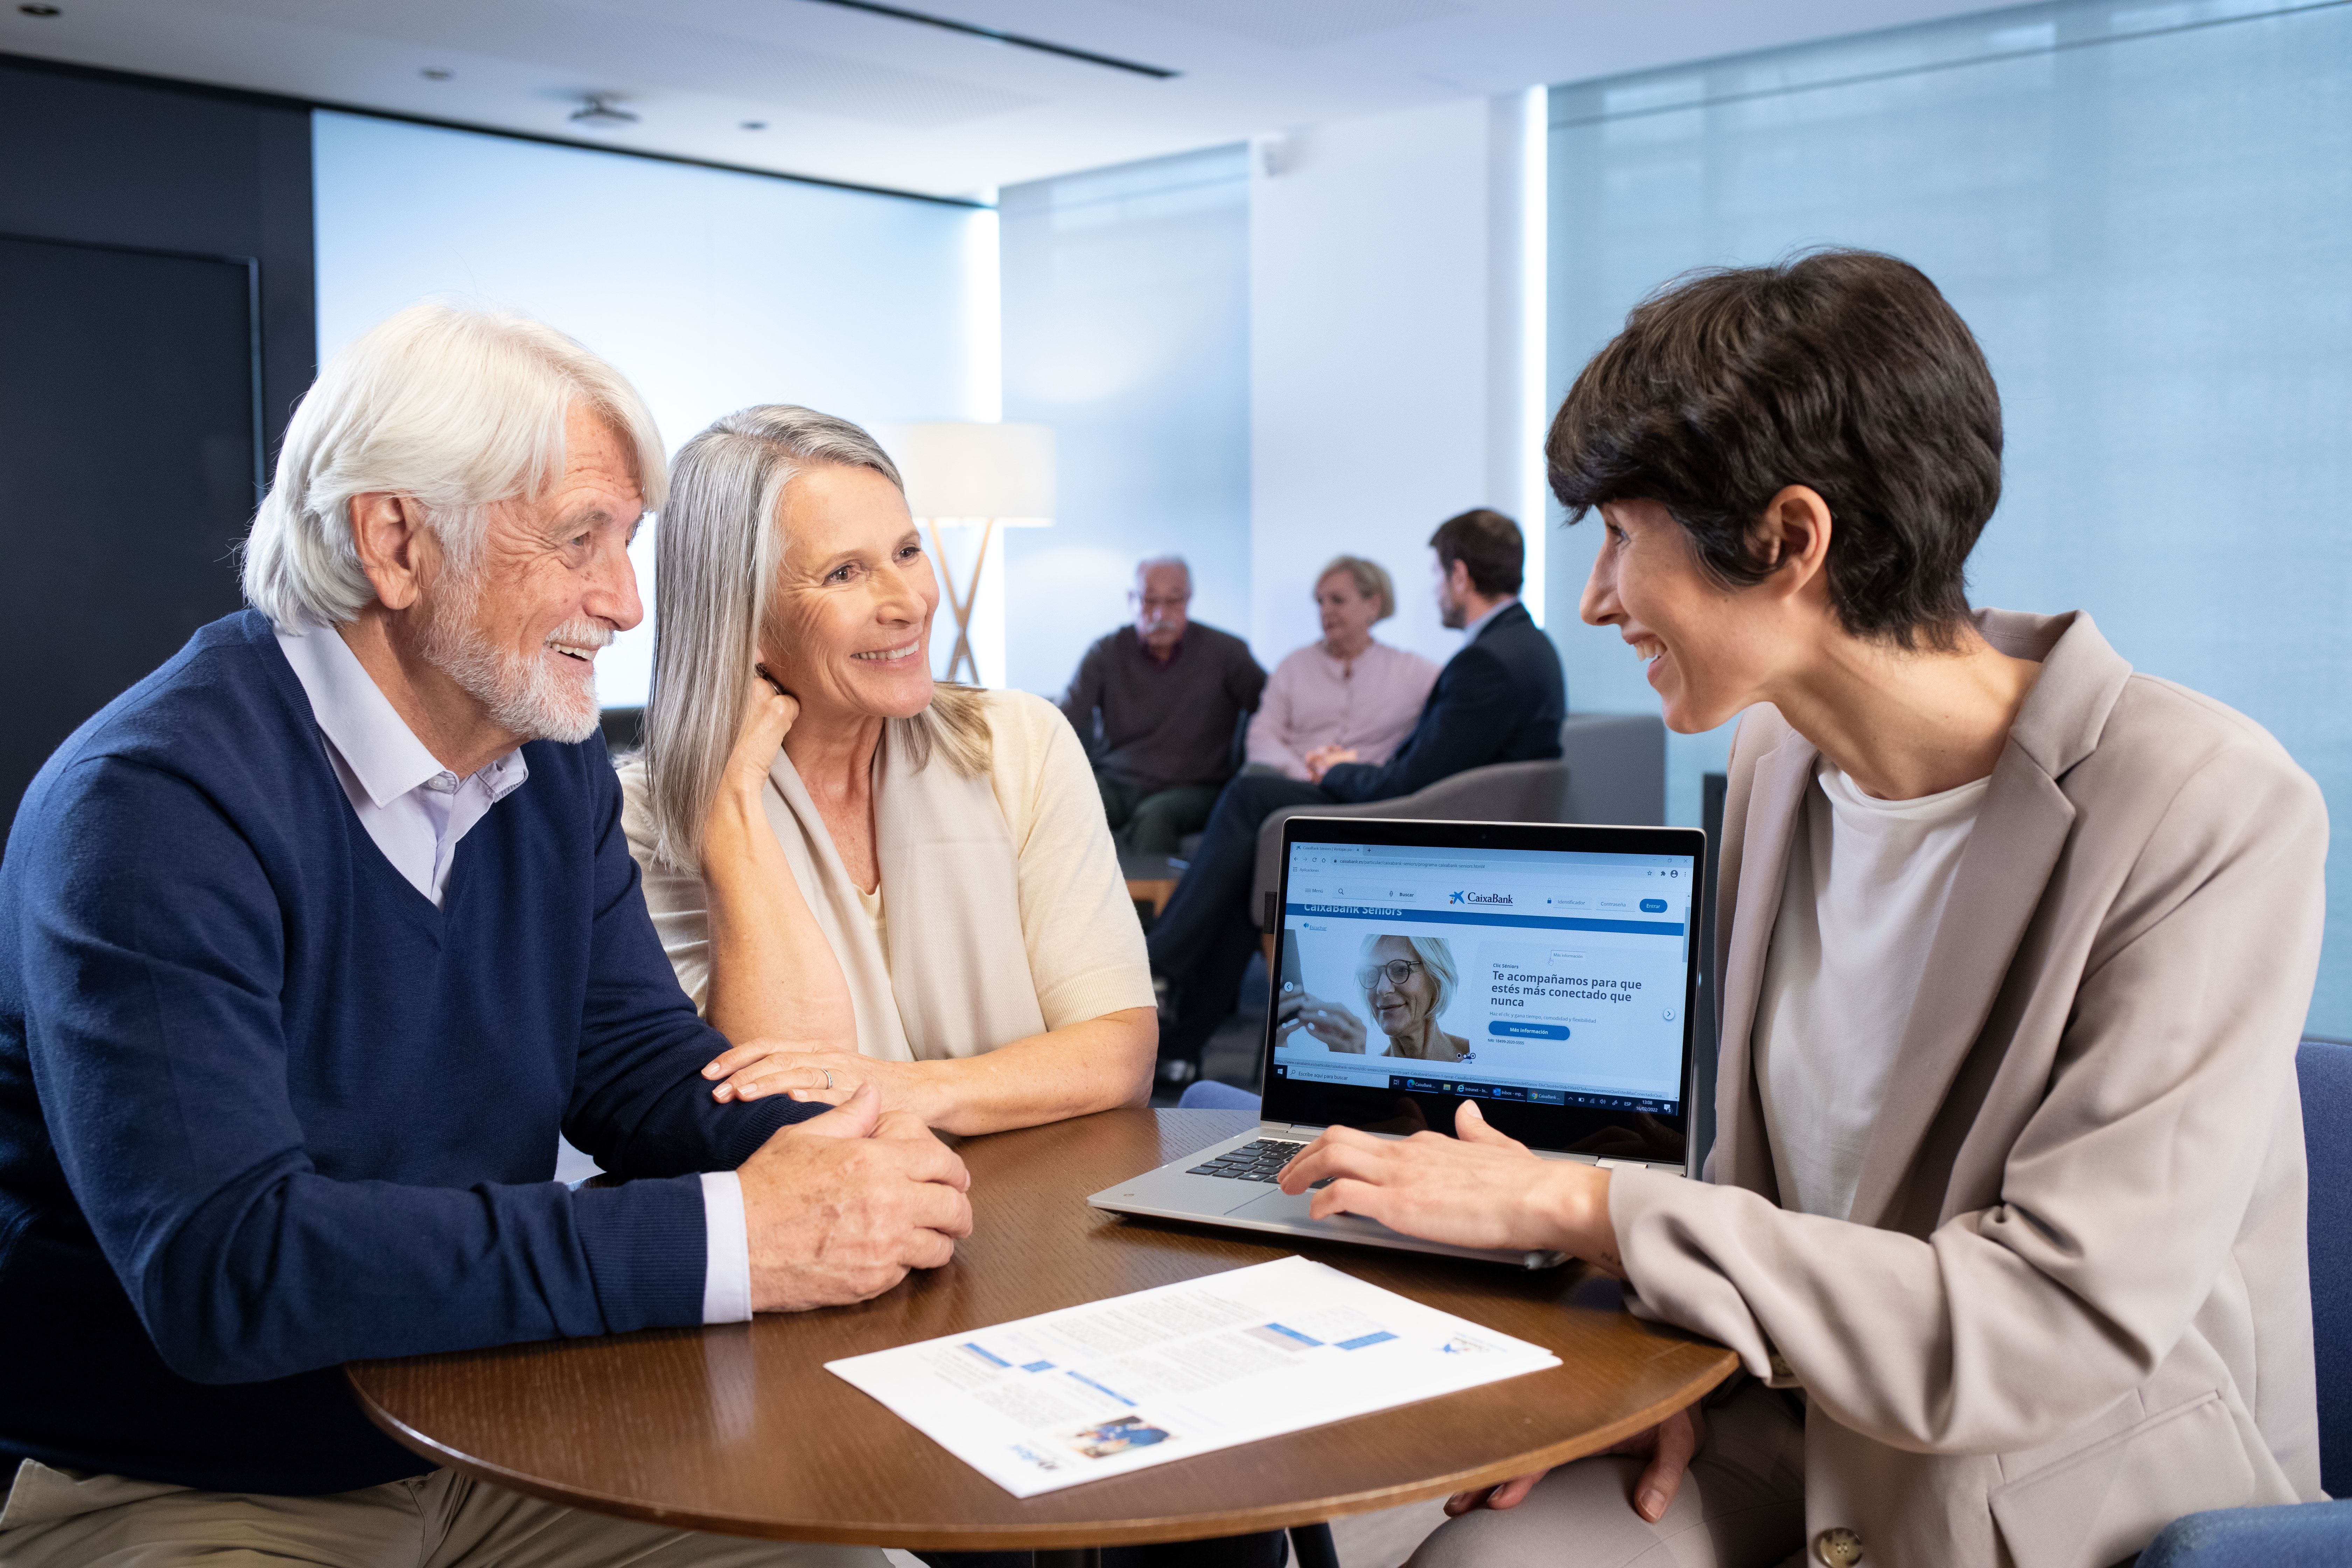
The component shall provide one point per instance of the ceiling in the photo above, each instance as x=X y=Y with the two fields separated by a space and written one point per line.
x=847 y=94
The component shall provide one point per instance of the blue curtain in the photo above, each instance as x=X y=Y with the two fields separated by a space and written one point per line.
x=2145 y=212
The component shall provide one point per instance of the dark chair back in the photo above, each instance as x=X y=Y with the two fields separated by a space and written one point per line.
x=623 y=728
x=2323 y=1068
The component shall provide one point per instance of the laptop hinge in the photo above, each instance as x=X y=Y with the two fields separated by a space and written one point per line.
x=1290 y=1130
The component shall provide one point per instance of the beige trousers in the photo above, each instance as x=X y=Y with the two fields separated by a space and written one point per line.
x=61 y=1519
x=1742 y=1505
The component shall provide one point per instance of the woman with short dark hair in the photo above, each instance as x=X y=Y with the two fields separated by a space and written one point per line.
x=2005 y=1212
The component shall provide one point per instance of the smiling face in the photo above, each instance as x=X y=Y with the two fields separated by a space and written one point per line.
x=1400 y=1009
x=1347 y=612
x=1711 y=650
x=848 y=624
x=517 y=619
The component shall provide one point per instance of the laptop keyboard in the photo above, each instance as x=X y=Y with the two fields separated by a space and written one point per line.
x=1261 y=1159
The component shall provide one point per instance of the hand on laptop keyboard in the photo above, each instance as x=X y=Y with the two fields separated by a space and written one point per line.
x=1260 y=1160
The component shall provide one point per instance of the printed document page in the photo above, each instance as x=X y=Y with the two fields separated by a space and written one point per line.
x=1112 y=1386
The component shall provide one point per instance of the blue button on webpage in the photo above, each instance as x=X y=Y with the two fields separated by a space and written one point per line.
x=1512 y=1029
x=1654 y=906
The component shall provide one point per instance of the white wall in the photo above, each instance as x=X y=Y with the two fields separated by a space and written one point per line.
x=709 y=290
x=1391 y=339
x=1127 y=329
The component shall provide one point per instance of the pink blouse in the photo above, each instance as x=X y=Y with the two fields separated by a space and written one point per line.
x=1368 y=704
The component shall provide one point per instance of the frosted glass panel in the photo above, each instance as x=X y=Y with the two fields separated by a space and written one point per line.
x=710 y=290
x=1127 y=329
x=2145 y=212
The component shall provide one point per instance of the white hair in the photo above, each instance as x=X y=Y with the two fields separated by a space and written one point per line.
x=1143 y=568
x=716 y=554
x=457 y=407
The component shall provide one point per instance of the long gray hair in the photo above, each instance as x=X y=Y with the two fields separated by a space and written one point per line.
x=717 y=548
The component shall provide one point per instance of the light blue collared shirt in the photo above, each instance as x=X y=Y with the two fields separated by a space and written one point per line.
x=1470 y=633
x=416 y=811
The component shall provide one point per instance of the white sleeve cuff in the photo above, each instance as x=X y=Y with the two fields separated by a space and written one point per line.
x=727 y=1250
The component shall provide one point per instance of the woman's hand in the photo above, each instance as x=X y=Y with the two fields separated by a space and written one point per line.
x=1669 y=1446
x=1335 y=1027
x=758 y=1069
x=1323 y=759
x=769 y=711
x=1477 y=1189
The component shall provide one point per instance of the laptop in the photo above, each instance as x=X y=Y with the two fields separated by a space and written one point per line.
x=1549 y=971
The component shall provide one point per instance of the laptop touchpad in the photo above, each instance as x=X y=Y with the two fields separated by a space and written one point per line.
x=1278 y=1205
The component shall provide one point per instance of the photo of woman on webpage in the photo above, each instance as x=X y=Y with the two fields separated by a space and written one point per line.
x=1408 y=982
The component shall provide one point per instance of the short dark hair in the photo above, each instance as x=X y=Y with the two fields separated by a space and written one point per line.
x=1844 y=371
x=1488 y=544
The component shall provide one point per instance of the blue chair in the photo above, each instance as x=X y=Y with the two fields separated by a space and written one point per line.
x=2312 y=1533
x=1208 y=1094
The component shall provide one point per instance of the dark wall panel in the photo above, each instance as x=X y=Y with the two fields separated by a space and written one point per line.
x=157 y=327
x=119 y=160
x=113 y=564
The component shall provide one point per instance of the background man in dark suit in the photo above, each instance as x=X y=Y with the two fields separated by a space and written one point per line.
x=1500 y=700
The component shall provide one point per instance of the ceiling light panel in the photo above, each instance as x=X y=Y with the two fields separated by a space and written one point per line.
x=641 y=55
x=1304 y=24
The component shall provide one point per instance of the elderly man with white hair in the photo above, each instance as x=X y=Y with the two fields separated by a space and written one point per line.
x=311 y=941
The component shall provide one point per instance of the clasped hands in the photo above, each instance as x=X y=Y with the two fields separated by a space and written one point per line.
x=1323 y=759
x=838 y=1208
x=1482 y=1188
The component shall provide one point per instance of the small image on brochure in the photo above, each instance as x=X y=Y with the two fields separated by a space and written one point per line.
x=1100 y=1442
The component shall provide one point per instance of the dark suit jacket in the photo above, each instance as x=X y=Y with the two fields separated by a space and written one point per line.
x=1500 y=700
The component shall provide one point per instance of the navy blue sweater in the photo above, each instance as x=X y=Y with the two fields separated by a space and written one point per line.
x=264 y=1109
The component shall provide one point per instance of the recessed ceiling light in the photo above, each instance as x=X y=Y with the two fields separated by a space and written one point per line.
x=436 y=73
x=601 y=112
x=38 y=10
x=755 y=125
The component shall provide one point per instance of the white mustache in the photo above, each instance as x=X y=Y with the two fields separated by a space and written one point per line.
x=581 y=633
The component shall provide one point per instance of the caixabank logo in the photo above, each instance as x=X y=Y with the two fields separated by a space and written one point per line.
x=1465 y=896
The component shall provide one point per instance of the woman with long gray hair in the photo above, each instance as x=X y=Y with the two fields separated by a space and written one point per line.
x=858 y=874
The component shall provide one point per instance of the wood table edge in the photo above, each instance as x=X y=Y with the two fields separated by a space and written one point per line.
x=1048 y=1537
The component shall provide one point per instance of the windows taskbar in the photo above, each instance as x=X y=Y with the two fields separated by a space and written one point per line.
x=1522 y=1094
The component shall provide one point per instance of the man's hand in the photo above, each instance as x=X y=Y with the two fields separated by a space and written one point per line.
x=1323 y=759
x=841 y=1206
x=1669 y=1446
x=1477 y=1189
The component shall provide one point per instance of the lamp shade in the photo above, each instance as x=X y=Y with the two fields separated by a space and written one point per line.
x=965 y=471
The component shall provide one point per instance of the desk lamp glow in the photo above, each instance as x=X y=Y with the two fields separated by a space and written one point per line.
x=964 y=474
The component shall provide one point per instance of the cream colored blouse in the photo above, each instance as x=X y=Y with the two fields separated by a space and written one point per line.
x=1007 y=914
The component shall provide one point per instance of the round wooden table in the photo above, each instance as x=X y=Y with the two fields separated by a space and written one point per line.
x=740 y=1429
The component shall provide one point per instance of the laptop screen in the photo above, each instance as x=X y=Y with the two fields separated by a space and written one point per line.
x=1545 y=972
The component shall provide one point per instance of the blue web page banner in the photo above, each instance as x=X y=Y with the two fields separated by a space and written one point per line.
x=1479 y=918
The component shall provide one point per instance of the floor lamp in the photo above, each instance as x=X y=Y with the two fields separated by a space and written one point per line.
x=965 y=474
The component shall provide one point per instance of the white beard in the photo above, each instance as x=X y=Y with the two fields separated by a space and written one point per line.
x=528 y=694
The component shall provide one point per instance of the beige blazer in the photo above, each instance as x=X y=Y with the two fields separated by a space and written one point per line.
x=2073 y=1302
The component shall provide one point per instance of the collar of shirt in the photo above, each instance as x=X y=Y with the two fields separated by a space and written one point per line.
x=1174 y=648
x=1470 y=633
x=414 y=809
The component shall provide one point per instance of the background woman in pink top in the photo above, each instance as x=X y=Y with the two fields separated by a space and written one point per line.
x=1346 y=691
